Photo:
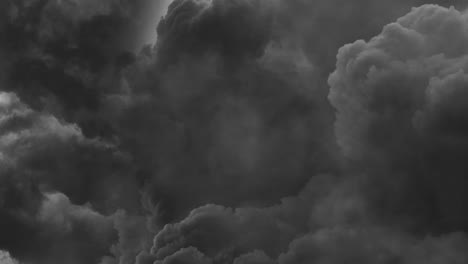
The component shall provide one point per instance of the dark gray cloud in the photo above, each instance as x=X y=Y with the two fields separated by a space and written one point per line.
x=223 y=139
x=62 y=55
x=39 y=155
x=220 y=144
x=233 y=29
x=223 y=131
x=374 y=246
x=57 y=155
x=135 y=236
x=331 y=221
x=396 y=125
x=320 y=28
x=399 y=111
x=52 y=230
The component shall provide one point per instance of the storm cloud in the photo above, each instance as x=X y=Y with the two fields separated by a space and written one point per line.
x=249 y=132
x=400 y=110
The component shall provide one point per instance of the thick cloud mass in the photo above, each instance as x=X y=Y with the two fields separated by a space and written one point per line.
x=38 y=147
x=235 y=29
x=400 y=110
x=229 y=124
x=245 y=135
x=40 y=154
x=330 y=221
x=64 y=55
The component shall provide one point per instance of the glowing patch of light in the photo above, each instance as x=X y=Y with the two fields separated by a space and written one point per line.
x=5 y=99
x=156 y=11
x=5 y=258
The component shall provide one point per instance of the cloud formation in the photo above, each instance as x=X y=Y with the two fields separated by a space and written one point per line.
x=232 y=29
x=229 y=122
x=393 y=96
x=225 y=143
x=399 y=110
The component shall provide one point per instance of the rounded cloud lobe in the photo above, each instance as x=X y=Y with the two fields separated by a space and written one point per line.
x=400 y=110
x=233 y=29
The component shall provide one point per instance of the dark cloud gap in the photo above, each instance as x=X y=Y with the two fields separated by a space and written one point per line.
x=252 y=132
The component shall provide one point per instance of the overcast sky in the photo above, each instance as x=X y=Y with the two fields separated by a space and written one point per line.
x=233 y=132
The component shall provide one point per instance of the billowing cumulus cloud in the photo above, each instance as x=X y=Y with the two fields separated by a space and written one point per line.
x=396 y=123
x=64 y=55
x=41 y=154
x=231 y=116
x=55 y=231
x=73 y=233
x=374 y=246
x=39 y=147
x=234 y=29
x=322 y=27
x=329 y=222
x=243 y=235
x=228 y=141
x=400 y=110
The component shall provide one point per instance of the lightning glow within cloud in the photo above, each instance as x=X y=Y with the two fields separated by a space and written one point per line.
x=157 y=9
x=5 y=258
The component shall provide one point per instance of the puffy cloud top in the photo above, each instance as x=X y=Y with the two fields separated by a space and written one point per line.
x=235 y=29
x=400 y=104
